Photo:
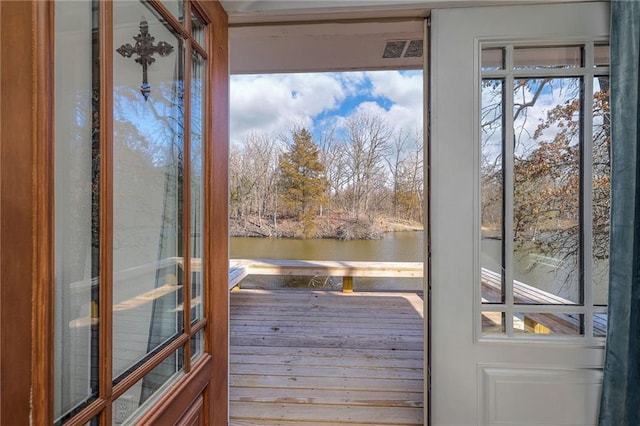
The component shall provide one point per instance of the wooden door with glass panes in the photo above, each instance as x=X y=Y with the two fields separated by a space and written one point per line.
x=136 y=294
x=519 y=213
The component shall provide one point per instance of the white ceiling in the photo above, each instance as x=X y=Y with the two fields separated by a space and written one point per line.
x=268 y=36
x=327 y=35
x=321 y=47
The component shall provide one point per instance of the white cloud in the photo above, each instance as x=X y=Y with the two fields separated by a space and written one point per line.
x=273 y=103
x=353 y=82
x=370 y=108
x=404 y=90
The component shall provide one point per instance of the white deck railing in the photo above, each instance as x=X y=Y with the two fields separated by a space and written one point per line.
x=239 y=269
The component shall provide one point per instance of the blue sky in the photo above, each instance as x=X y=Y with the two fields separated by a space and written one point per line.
x=274 y=103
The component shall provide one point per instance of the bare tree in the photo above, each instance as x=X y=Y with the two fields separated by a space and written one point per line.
x=368 y=137
x=371 y=170
x=332 y=156
x=253 y=179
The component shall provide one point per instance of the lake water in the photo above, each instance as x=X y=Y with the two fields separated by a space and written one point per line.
x=393 y=247
x=397 y=247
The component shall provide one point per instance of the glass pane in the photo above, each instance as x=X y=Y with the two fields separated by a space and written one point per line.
x=601 y=189
x=492 y=188
x=600 y=325
x=176 y=7
x=132 y=402
x=492 y=59
x=601 y=56
x=546 y=211
x=197 y=344
x=547 y=57
x=493 y=323
x=197 y=29
x=198 y=72
x=547 y=323
x=147 y=189
x=77 y=205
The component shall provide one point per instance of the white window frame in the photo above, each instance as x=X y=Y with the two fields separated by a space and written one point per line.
x=588 y=71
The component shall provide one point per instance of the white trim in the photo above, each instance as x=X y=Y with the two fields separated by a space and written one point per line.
x=426 y=249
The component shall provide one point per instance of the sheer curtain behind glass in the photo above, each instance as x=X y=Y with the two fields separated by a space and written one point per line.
x=76 y=203
x=198 y=67
x=620 y=404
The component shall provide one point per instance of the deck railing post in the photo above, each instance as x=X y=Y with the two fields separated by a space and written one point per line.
x=347 y=284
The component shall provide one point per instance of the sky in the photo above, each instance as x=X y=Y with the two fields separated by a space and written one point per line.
x=273 y=104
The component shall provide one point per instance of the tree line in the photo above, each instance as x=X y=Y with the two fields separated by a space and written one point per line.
x=366 y=170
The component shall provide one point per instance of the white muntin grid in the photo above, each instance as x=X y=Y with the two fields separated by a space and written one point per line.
x=586 y=73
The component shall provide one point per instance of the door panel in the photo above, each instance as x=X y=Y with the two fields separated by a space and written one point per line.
x=537 y=395
x=194 y=415
x=508 y=377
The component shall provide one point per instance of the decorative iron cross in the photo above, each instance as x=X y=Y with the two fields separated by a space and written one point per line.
x=145 y=49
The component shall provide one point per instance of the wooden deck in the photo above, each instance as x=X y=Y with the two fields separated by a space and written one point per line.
x=311 y=358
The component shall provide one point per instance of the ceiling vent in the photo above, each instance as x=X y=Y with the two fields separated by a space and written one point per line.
x=402 y=49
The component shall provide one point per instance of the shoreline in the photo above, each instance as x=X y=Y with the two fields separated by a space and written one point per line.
x=331 y=226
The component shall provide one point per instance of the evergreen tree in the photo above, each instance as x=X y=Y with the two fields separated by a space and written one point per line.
x=303 y=181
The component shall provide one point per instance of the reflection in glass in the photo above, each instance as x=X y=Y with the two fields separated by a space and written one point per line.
x=600 y=325
x=492 y=59
x=176 y=7
x=543 y=187
x=546 y=211
x=493 y=323
x=601 y=56
x=547 y=323
x=601 y=189
x=492 y=188
x=132 y=402
x=198 y=29
x=197 y=344
x=198 y=67
x=148 y=156
x=77 y=206
x=547 y=57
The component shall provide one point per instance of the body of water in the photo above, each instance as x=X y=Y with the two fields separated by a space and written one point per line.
x=393 y=247
x=540 y=271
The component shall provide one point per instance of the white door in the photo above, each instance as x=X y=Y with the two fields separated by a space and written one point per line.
x=518 y=230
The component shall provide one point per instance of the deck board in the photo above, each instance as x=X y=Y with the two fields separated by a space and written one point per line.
x=317 y=358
